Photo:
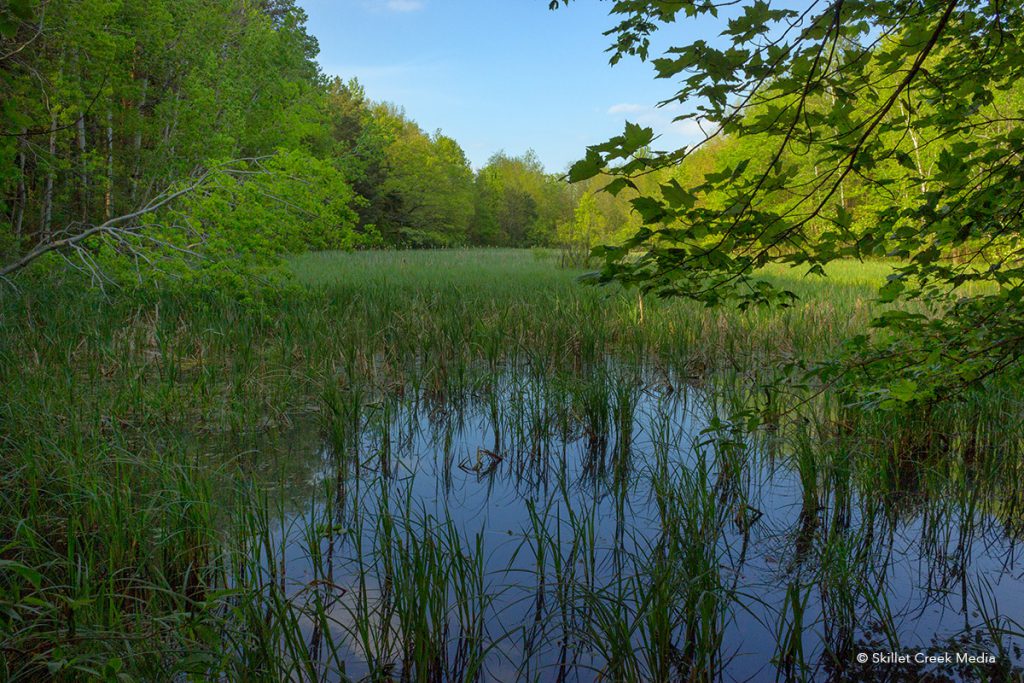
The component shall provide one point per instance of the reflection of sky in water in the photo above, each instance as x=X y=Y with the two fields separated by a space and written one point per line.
x=930 y=600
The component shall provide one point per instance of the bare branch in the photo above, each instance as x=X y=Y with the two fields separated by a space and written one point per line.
x=121 y=226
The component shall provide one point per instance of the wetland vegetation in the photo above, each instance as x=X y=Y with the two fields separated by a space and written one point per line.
x=450 y=464
x=290 y=390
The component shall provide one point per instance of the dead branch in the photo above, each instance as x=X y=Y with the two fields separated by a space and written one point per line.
x=121 y=227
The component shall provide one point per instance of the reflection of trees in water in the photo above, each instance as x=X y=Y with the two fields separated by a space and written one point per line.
x=634 y=530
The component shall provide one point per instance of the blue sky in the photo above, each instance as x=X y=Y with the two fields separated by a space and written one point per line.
x=498 y=74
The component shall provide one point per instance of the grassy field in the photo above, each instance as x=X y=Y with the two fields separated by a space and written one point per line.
x=458 y=465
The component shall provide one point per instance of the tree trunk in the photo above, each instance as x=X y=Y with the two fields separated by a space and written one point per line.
x=17 y=219
x=47 y=216
x=917 y=148
x=83 y=175
x=108 y=203
x=172 y=126
x=137 y=144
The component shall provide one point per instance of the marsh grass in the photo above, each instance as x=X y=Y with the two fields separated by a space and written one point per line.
x=150 y=526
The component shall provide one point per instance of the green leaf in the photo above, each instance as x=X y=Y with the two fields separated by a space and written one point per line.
x=649 y=209
x=891 y=291
x=27 y=573
x=618 y=185
x=636 y=138
x=586 y=168
x=843 y=218
x=904 y=390
x=677 y=196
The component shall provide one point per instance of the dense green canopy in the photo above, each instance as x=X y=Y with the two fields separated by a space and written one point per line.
x=849 y=129
x=112 y=106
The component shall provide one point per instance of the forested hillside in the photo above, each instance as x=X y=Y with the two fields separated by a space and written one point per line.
x=112 y=105
x=203 y=137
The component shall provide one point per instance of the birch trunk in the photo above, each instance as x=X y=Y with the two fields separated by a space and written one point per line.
x=917 y=148
x=83 y=175
x=47 y=217
x=108 y=203
x=137 y=143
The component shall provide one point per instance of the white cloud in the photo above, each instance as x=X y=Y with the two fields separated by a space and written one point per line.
x=661 y=119
x=626 y=108
x=404 y=5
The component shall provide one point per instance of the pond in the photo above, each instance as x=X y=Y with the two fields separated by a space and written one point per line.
x=549 y=529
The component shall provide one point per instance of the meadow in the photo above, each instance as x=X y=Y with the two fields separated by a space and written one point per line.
x=466 y=465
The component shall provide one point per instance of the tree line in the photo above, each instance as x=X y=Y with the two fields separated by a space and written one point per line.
x=110 y=107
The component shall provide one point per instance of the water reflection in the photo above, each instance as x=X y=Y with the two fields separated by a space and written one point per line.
x=552 y=534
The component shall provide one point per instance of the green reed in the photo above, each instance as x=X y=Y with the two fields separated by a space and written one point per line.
x=136 y=543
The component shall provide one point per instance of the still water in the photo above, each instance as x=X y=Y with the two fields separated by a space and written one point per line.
x=546 y=535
